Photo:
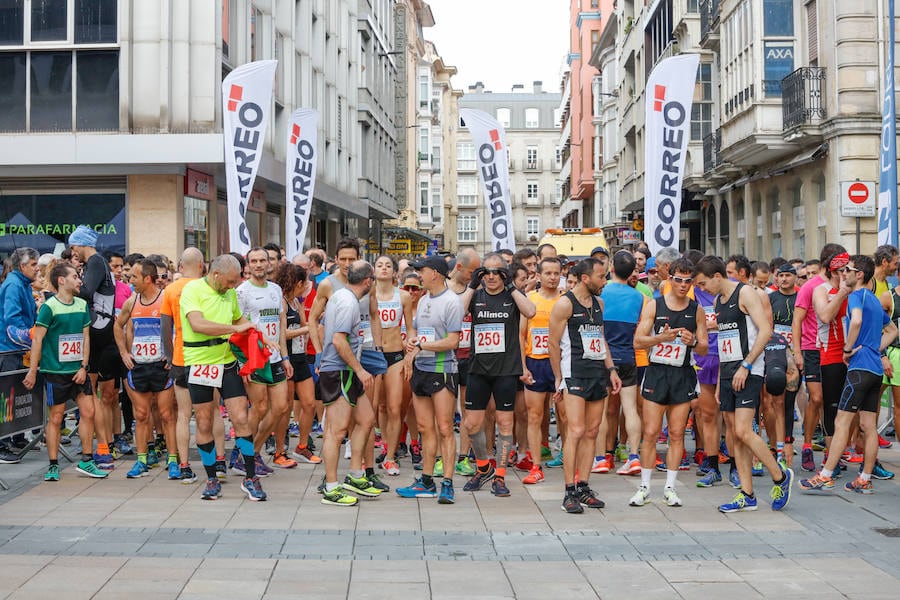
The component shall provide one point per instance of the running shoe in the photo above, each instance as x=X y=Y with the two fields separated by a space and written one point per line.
x=536 y=475
x=710 y=479
x=402 y=451
x=741 y=502
x=337 y=497
x=512 y=458
x=663 y=436
x=602 y=465
x=221 y=470
x=546 y=454
x=390 y=467
x=525 y=464
x=321 y=487
x=700 y=458
x=418 y=490
x=253 y=489
x=212 y=491
x=415 y=455
x=734 y=479
x=498 y=487
x=588 y=498
x=305 y=455
x=465 y=467
x=808 y=460
x=438 y=468
x=571 y=504
x=113 y=451
x=138 y=470
x=376 y=482
x=631 y=467
x=859 y=486
x=122 y=445
x=381 y=452
x=704 y=468
x=641 y=497
x=283 y=461
x=270 y=445
x=879 y=472
x=660 y=465
x=818 y=444
x=478 y=480
x=152 y=457
x=723 y=452
x=104 y=461
x=817 y=482
x=685 y=464
x=757 y=470
x=294 y=429
x=361 y=486
x=52 y=473
x=883 y=443
x=852 y=456
x=187 y=476
x=237 y=466
x=261 y=468
x=671 y=497
x=447 y=495
x=317 y=430
x=781 y=492
x=621 y=453
x=555 y=462
x=174 y=471
x=91 y=469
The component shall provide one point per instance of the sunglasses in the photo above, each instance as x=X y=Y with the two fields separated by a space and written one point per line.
x=680 y=280
x=493 y=271
x=163 y=276
x=412 y=288
x=846 y=269
x=652 y=271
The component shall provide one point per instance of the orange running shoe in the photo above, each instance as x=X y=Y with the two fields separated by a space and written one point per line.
x=284 y=461
x=536 y=475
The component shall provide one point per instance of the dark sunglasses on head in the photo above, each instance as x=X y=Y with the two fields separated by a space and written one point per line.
x=412 y=288
x=652 y=271
x=682 y=279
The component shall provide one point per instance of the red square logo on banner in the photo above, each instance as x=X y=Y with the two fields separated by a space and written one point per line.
x=659 y=95
x=495 y=137
x=235 y=96
x=295 y=133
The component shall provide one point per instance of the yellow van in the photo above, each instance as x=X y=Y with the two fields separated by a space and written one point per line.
x=575 y=243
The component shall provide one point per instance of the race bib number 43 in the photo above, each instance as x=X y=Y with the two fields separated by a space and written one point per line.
x=490 y=338
x=208 y=375
x=71 y=347
x=593 y=345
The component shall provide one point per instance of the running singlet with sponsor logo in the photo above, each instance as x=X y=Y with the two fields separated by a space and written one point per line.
x=63 y=349
x=582 y=345
x=783 y=313
x=675 y=353
x=623 y=306
x=831 y=335
x=538 y=329
x=262 y=306
x=737 y=334
x=436 y=317
x=146 y=338
x=391 y=311
x=495 y=348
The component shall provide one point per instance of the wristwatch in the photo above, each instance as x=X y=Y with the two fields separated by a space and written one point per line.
x=613 y=368
x=418 y=344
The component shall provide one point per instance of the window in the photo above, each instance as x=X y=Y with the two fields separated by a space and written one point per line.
x=12 y=23
x=701 y=111
x=48 y=21
x=595 y=40
x=532 y=226
x=504 y=116
x=436 y=207
x=778 y=18
x=531 y=192
x=424 y=90
x=531 y=157
x=424 y=143
x=558 y=158
x=532 y=118
x=466 y=191
x=693 y=6
x=465 y=156
x=467 y=228
x=557 y=117
x=95 y=22
x=424 y=207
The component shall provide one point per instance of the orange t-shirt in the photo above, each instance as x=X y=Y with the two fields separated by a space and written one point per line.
x=171 y=306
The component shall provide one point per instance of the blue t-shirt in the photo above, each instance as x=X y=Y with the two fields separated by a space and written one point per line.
x=622 y=306
x=868 y=358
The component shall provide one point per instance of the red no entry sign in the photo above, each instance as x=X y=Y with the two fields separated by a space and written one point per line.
x=858 y=193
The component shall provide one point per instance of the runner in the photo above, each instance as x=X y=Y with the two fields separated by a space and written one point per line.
x=262 y=304
x=494 y=367
x=780 y=408
x=209 y=314
x=432 y=371
x=139 y=339
x=869 y=331
x=61 y=349
x=583 y=369
x=537 y=373
x=672 y=329
x=744 y=331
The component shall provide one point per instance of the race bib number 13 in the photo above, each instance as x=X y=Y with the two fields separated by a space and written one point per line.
x=208 y=375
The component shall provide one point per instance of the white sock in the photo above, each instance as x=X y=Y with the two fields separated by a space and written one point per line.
x=645 y=477
x=670 y=478
x=826 y=472
x=865 y=476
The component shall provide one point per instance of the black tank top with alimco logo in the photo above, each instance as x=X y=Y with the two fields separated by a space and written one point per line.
x=675 y=353
x=582 y=346
x=734 y=341
x=494 y=348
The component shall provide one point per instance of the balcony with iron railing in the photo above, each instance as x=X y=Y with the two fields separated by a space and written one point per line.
x=709 y=17
x=803 y=97
x=712 y=149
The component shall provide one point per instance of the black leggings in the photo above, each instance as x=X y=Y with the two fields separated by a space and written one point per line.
x=790 y=399
x=833 y=378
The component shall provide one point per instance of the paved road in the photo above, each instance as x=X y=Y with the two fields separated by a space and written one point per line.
x=152 y=538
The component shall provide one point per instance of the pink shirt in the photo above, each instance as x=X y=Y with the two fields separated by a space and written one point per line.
x=123 y=292
x=810 y=325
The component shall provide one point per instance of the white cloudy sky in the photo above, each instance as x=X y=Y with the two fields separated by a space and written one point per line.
x=502 y=42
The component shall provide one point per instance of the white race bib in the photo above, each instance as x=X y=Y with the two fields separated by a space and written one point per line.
x=711 y=322
x=365 y=334
x=669 y=353
x=403 y=334
x=730 y=346
x=426 y=334
x=298 y=344
x=490 y=338
x=465 y=335
x=269 y=324
x=787 y=331
x=540 y=339
x=71 y=347
x=593 y=345
x=208 y=375
x=146 y=349
x=390 y=313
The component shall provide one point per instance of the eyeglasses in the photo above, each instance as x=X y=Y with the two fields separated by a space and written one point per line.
x=845 y=269
x=412 y=288
x=681 y=280
x=493 y=271
x=163 y=276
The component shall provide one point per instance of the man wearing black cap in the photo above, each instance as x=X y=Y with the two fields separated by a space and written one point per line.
x=602 y=254
x=780 y=413
x=432 y=370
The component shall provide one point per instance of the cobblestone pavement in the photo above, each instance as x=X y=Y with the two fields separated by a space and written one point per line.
x=153 y=538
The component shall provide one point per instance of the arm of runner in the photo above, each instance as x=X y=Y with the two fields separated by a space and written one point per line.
x=81 y=375
x=561 y=312
x=91 y=281
x=856 y=315
x=525 y=305
x=315 y=313
x=342 y=347
x=451 y=342
x=523 y=343
x=167 y=330
x=37 y=344
x=406 y=302
x=796 y=335
x=702 y=336
x=827 y=310
x=282 y=341
x=122 y=322
x=204 y=327
x=375 y=320
x=643 y=335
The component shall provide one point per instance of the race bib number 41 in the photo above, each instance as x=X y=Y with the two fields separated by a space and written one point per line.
x=208 y=375
x=730 y=346
x=71 y=347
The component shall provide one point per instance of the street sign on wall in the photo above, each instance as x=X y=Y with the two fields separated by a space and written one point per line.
x=858 y=199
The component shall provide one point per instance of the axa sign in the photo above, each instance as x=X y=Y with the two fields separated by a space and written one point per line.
x=779 y=53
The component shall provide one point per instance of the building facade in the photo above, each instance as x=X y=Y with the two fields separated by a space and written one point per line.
x=531 y=121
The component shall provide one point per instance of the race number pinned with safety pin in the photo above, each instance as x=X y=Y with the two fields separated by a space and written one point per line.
x=208 y=375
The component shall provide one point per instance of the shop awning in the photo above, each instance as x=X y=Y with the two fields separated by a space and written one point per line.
x=634 y=206
x=406 y=232
x=801 y=159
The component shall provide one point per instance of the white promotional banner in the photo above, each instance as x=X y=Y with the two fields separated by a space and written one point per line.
x=669 y=97
x=493 y=168
x=247 y=104
x=300 y=180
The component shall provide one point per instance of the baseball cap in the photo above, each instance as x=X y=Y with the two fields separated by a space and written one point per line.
x=651 y=263
x=776 y=380
x=601 y=250
x=432 y=262
x=787 y=268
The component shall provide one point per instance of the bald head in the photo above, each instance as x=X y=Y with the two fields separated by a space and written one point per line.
x=192 y=262
x=302 y=260
x=466 y=261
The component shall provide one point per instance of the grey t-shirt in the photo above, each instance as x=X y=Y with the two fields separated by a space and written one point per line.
x=437 y=316
x=341 y=316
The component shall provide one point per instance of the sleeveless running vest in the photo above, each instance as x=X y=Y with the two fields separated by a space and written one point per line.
x=783 y=313
x=582 y=345
x=675 y=353
x=737 y=334
x=146 y=341
x=391 y=311
x=539 y=326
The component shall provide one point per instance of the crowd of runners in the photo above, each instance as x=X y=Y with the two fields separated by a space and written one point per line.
x=456 y=367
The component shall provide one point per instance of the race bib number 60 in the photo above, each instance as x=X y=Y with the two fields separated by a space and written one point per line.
x=208 y=375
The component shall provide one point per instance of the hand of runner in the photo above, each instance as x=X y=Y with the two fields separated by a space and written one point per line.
x=668 y=334
x=615 y=381
x=407 y=367
x=527 y=378
x=888 y=367
x=477 y=276
x=242 y=327
x=798 y=360
x=288 y=369
x=127 y=360
x=686 y=336
x=30 y=379
x=80 y=376
x=739 y=379
x=367 y=380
